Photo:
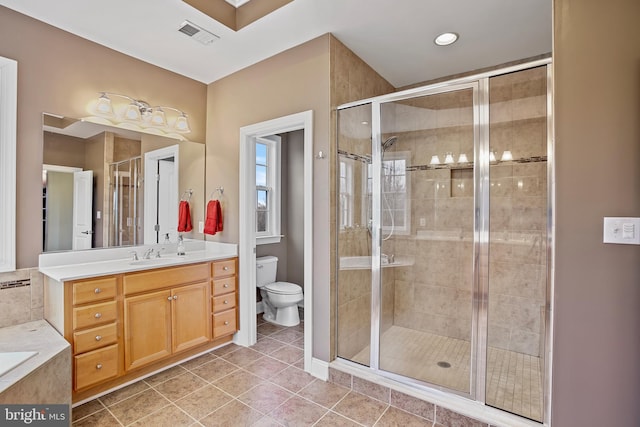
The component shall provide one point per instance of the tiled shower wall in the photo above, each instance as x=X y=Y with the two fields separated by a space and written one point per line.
x=435 y=293
x=21 y=297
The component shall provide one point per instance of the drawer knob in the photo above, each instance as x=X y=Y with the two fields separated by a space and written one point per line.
x=98 y=337
x=97 y=290
x=226 y=302
x=175 y=297
x=226 y=322
x=225 y=268
x=226 y=285
x=98 y=315
x=99 y=366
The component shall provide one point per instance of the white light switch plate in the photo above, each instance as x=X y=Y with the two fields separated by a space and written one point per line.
x=622 y=230
x=200 y=226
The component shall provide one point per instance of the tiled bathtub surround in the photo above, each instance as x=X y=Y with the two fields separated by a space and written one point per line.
x=21 y=297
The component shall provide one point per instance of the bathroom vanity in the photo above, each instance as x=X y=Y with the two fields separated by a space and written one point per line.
x=127 y=318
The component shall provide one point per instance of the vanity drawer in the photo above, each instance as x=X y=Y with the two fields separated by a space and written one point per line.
x=223 y=268
x=93 y=338
x=224 y=323
x=224 y=302
x=95 y=314
x=163 y=278
x=96 y=366
x=224 y=286
x=94 y=290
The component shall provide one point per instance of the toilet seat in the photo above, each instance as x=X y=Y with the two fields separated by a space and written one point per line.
x=283 y=288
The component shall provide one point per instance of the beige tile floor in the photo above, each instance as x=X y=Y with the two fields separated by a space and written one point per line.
x=514 y=380
x=236 y=386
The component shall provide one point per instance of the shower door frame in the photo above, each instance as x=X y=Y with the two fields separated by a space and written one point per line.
x=480 y=226
x=480 y=287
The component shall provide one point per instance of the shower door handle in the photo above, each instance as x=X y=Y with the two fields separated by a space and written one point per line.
x=87 y=232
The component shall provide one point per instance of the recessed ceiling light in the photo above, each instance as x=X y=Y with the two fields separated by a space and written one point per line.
x=446 y=39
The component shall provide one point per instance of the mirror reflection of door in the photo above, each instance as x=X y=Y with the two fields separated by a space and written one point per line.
x=67 y=208
x=161 y=195
x=82 y=208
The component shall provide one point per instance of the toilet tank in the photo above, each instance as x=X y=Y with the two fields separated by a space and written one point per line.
x=266 y=268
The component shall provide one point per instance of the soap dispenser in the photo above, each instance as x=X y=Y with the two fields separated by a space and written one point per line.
x=180 y=246
x=166 y=239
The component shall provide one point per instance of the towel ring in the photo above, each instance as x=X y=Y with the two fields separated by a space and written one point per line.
x=220 y=191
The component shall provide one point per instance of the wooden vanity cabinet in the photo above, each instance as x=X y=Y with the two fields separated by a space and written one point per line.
x=124 y=326
x=161 y=323
x=224 y=299
x=95 y=326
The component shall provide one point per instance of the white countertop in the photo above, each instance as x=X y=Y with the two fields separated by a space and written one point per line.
x=64 y=266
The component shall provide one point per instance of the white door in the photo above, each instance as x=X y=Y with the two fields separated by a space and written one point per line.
x=167 y=200
x=82 y=208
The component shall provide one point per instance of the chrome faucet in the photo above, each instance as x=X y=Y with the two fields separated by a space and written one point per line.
x=147 y=253
x=134 y=255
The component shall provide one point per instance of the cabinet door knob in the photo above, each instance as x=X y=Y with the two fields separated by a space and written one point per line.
x=99 y=366
x=98 y=315
x=226 y=285
x=225 y=268
x=226 y=302
x=98 y=337
x=175 y=297
x=169 y=298
x=97 y=290
x=226 y=322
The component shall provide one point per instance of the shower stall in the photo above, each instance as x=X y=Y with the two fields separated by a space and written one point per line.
x=124 y=213
x=444 y=236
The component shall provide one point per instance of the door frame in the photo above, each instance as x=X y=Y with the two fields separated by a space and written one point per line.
x=8 y=138
x=247 y=334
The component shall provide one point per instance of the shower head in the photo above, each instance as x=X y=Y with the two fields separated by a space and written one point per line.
x=389 y=142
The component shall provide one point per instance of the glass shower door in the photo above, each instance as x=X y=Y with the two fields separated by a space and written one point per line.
x=426 y=206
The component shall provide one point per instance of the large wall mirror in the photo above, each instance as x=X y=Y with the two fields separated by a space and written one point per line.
x=104 y=186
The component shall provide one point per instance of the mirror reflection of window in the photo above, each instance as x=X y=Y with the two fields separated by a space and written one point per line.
x=346 y=193
x=396 y=202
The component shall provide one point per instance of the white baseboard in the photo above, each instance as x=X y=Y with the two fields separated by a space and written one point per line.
x=319 y=369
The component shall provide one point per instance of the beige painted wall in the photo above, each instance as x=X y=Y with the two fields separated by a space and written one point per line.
x=294 y=81
x=596 y=376
x=60 y=73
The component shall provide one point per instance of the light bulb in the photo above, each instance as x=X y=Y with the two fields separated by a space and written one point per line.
x=448 y=159
x=506 y=156
x=132 y=112
x=182 y=124
x=463 y=158
x=158 y=118
x=435 y=160
x=104 y=105
x=446 y=39
x=492 y=156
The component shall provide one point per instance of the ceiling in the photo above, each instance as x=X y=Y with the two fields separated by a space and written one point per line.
x=395 y=37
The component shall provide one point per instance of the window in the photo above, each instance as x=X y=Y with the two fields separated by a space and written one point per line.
x=268 y=190
x=395 y=203
x=346 y=193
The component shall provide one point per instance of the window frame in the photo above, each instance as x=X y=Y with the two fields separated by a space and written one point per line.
x=273 y=189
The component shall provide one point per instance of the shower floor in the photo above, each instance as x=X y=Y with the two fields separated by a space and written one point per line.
x=514 y=380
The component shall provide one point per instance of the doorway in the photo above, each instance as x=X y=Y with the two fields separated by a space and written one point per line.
x=249 y=135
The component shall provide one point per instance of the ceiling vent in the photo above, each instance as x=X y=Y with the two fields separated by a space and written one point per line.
x=197 y=33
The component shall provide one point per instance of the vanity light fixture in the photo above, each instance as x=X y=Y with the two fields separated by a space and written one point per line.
x=435 y=160
x=141 y=113
x=463 y=158
x=445 y=39
x=492 y=156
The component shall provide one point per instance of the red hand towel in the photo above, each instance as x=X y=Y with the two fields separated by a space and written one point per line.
x=213 y=221
x=184 y=217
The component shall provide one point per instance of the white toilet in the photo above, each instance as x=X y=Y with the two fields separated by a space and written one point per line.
x=279 y=299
